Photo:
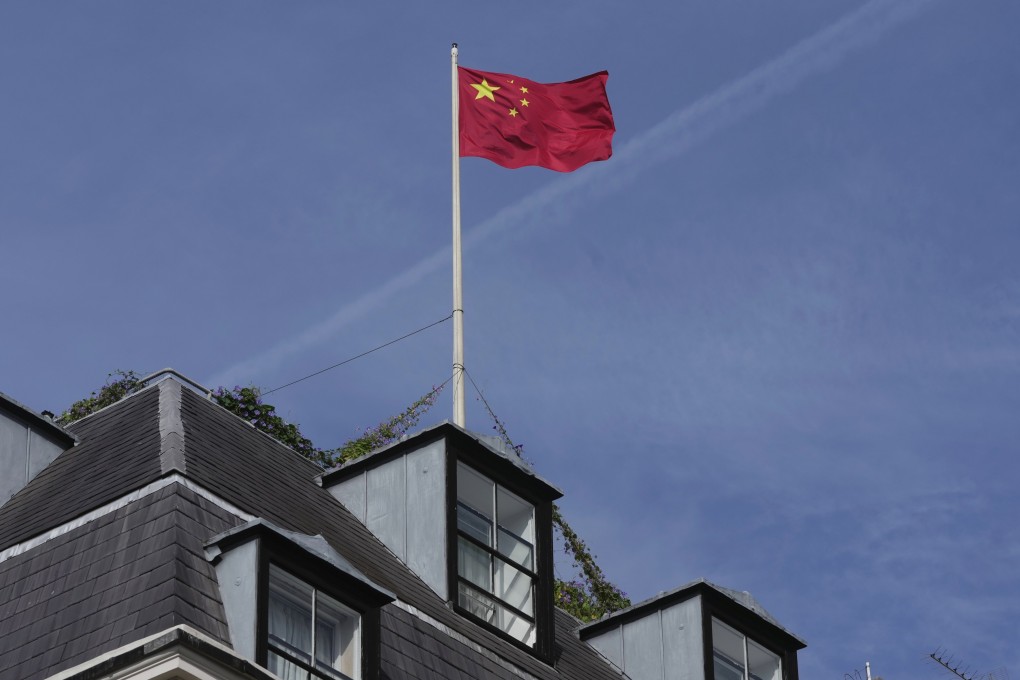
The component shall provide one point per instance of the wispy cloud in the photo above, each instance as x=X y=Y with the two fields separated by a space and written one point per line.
x=670 y=138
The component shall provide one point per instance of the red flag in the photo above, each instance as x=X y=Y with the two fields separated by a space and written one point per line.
x=514 y=121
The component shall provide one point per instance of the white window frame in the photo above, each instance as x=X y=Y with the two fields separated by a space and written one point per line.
x=282 y=587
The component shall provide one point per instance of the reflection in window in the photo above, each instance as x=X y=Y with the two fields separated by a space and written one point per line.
x=299 y=650
x=735 y=657
x=495 y=554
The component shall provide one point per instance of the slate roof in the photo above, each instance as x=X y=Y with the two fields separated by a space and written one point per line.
x=113 y=457
x=141 y=569
x=124 y=576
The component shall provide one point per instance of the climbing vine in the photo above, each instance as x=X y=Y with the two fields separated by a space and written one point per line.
x=110 y=393
x=589 y=595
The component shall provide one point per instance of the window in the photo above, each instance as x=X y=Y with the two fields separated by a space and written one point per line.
x=496 y=567
x=310 y=634
x=735 y=657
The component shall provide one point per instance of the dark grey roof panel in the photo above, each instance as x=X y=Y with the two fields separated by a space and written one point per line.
x=119 y=451
x=408 y=646
x=123 y=576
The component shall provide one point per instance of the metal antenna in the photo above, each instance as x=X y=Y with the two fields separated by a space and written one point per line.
x=942 y=657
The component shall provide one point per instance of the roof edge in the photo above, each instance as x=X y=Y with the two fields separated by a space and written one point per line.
x=162 y=644
x=37 y=420
x=427 y=435
x=670 y=597
x=316 y=546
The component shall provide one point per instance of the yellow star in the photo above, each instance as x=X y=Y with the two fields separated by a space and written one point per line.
x=524 y=102
x=484 y=90
x=524 y=90
x=513 y=113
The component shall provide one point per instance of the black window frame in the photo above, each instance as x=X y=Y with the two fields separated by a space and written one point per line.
x=506 y=475
x=326 y=578
x=728 y=612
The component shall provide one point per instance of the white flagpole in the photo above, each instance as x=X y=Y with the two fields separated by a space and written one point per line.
x=458 y=303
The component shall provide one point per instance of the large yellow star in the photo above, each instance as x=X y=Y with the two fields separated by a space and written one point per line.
x=484 y=90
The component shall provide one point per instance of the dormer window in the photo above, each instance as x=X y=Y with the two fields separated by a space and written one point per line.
x=737 y=657
x=496 y=560
x=310 y=632
x=296 y=606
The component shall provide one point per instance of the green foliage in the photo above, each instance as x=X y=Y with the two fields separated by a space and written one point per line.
x=247 y=403
x=591 y=595
x=382 y=434
x=110 y=393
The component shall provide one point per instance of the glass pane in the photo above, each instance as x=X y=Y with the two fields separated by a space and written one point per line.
x=290 y=614
x=514 y=587
x=515 y=625
x=285 y=670
x=516 y=527
x=727 y=652
x=474 y=564
x=477 y=493
x=474 y=524
x=475 y=602
x=516 y=549
x=337 y=643
x=761 y=663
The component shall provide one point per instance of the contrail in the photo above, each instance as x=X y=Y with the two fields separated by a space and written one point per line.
x=672 y=137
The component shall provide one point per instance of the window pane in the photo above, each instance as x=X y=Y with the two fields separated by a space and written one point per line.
x=476 y=492
x=517 y=626
x=474 y=524
x=516 y=527
x=727 y=652
x=516 y=549
x=476 y=602
x=290 y=614
x=474 y=564
x=761 y=663
x=337 y=644
x=285 y=669
x=514 y=587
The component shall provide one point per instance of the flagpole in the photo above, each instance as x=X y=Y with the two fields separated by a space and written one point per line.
x=458 y=303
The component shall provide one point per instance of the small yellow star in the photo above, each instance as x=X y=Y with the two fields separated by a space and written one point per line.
x=524 y=90
x=484 y=90
x=513 y=113
x=524 y=102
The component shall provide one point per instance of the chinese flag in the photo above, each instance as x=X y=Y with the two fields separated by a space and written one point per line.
x=514 y=121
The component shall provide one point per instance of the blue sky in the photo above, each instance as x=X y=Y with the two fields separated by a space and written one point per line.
x=772 y=342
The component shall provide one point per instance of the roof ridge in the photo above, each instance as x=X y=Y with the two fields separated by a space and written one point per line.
x=171 y=428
